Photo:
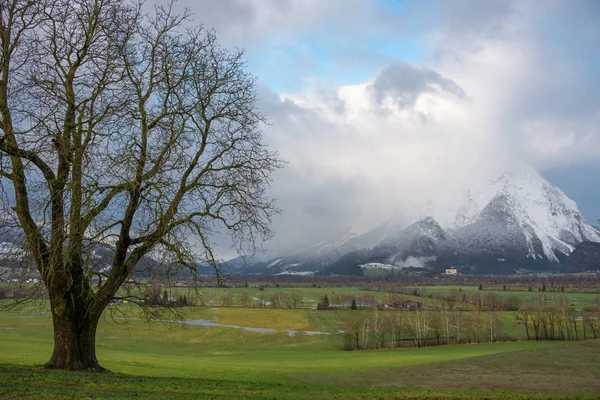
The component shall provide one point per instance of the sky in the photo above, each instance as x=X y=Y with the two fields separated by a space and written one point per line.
x=389 y=109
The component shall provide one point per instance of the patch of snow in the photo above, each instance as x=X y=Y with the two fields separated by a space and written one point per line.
x=108 y=268
x=274 y=263
x=378 y=266
x=326 y=246
x=7 y=248
x=299 y=273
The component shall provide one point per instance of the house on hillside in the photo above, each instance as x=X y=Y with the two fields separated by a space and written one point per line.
x=411 y=304
x=451 y=271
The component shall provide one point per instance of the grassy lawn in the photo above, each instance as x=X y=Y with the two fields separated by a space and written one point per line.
x=569 y=368
x=174 y=361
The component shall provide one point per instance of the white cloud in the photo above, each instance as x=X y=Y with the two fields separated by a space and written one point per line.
x=504 y=84
x=367 y=158
x=378 y=159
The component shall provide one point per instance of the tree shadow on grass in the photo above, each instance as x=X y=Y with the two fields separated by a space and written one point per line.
x=18 y=381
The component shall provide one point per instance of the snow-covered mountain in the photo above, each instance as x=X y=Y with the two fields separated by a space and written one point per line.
x=319 y=257
x=535 y=207
x=518 y=221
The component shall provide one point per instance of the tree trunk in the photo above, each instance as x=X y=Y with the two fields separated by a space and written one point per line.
x=74 y=337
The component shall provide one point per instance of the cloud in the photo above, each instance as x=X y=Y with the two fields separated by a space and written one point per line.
x=463 y=18
x=494 y=96
x=256 y=23
x=357 y=166
x=391 y=108
x=405 y=83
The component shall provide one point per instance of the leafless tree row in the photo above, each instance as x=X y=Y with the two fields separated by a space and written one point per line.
x=553 y=318
x=400 y=328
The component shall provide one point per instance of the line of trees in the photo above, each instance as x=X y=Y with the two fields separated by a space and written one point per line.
x=357 y=301
x=457 y=298
x=568 y=283
x=287 y=299
x=545 y=318
x=552 y=318
x=403 y=328
x=274 y=300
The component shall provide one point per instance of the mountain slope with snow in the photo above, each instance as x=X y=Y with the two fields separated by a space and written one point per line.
x=550 y=221
x=517 y=222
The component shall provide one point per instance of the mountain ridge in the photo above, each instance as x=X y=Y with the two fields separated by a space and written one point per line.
x=518 y=221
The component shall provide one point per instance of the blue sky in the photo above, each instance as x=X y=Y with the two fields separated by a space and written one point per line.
x=334 y=54
x=382 y=106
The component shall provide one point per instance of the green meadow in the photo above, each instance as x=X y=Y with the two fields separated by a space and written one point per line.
x=311 y=295
x=174 y=360
x=577 y=300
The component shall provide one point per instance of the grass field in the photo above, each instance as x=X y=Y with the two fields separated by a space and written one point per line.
x=174 y=361
x=312 y=295
x=577 y=300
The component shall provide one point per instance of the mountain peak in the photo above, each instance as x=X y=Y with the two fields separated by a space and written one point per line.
x=531 y=203
x=426 y=226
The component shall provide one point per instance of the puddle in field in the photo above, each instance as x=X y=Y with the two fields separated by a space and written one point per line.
x=209 y=323
x=264 y=302
x=309 y=333
x=308 y=300
x=206 y=322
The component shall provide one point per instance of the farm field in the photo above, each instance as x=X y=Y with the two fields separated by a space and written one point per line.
x=577 y=300
x=170 y=360
x=312 y=295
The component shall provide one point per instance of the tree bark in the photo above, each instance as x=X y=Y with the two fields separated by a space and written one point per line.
x=74 y=337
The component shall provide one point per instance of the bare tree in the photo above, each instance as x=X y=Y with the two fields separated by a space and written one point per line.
x=436 y=324
x=474 y=320
x=296 y=299
x=458 y=324
x=419 y=326
x=397 y=326
x=126 y=130
x=378 y=328
x=353 y=326
x=493 y=322
x=591 y=319
x=451 y=298
x=446 y=318
x=245 y=299
x=365 y=332
x=524 y=318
